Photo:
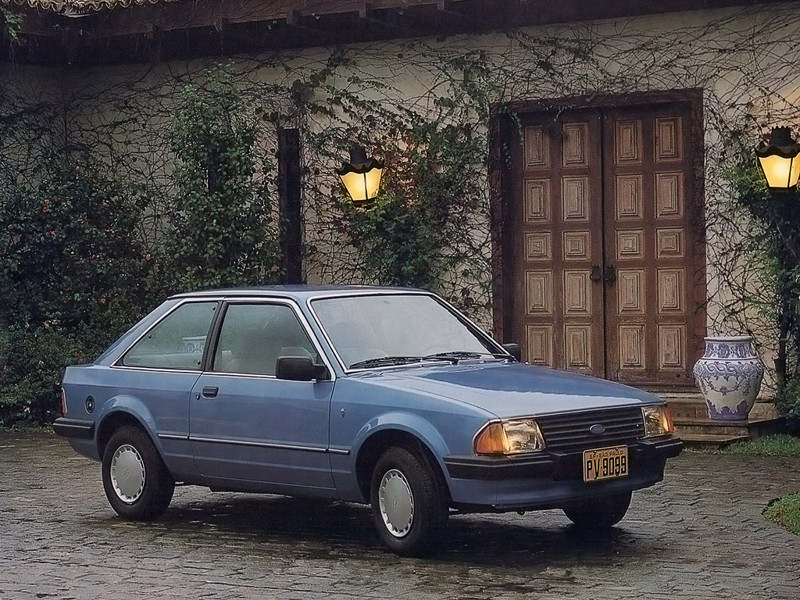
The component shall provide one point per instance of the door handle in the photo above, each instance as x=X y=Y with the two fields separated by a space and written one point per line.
x=210 y=392
x=594 y=274
x=611 y=275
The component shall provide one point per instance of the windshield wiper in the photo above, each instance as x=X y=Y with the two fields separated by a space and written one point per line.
x=453 y=356
x=384 y=361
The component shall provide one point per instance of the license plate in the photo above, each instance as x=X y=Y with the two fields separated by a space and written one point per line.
x=605 y=463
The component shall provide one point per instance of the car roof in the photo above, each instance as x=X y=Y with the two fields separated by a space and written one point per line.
x=296 y=291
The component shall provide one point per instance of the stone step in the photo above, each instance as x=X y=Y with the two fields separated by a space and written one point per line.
x=706 y=426
x=695 y=407
x=711 y=440
x=694 y=427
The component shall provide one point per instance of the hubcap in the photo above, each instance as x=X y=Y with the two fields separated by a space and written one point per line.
x=127 y=473
x=396 y=503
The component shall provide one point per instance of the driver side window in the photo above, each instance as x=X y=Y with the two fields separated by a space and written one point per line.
x=254 y=336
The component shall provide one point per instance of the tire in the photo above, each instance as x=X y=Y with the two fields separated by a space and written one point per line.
x=599 y=513
x=409 y=506
x=135 y=479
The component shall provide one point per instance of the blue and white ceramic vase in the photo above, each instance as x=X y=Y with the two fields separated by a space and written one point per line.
x=729 y=375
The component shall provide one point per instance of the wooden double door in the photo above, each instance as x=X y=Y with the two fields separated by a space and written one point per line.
x=608 y=269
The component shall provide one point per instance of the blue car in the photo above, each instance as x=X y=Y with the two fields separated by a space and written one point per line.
x=383 y=396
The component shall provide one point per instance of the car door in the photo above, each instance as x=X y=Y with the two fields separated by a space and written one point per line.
x=160 y=370
x=250 y=430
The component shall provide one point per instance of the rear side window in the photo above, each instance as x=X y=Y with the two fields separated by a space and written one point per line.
x=175 y=342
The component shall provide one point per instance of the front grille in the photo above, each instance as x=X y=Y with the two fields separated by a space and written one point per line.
x=570 y=432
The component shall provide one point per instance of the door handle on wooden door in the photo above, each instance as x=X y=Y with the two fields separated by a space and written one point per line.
x=611 y=275
x=595 y=274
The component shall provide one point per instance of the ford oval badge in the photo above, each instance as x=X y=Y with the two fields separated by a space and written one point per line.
x=597 y=429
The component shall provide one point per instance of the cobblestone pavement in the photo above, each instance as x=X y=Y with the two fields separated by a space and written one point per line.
x=699 y=534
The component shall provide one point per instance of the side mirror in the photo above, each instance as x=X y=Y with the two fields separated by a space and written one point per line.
x=300 y=368
x=514 y=350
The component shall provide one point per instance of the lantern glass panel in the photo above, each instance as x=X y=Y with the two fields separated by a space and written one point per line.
x=781 y=173
x=362 y=186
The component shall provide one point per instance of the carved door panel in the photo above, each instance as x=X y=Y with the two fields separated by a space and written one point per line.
x=561 y=243
x=652 y=314
x=607 y=274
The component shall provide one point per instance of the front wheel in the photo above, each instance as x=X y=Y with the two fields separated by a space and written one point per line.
x=137 y=483
x=599 y=513
x=409 y=506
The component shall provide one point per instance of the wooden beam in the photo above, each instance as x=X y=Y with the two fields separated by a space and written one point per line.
x=293 y=18
x=447 y=7
x=37 y=24
x=371 y=15
x=206 y=13
x=192 y=28
x=290 y=204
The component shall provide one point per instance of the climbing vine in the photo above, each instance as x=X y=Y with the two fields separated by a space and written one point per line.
x=10 y=23
x=220 y=229
x=772 y=244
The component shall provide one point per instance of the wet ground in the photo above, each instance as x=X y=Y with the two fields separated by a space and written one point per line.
x=699 y=534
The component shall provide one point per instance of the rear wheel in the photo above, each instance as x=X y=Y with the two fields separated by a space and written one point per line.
x=409 y=506
x=135 y=479
x=599 y=513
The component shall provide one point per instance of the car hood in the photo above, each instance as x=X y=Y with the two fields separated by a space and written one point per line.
x=512 y=389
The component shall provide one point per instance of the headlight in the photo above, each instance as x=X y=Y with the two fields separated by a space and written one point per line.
x=657 y=421
x=509 y=437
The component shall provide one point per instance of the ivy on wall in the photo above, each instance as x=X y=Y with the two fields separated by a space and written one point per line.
x=220 y=229
x=773 y=245
x=10 y=23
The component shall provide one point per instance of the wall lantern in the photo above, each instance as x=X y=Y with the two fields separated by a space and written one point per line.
x=779 y=160
x=361 y=176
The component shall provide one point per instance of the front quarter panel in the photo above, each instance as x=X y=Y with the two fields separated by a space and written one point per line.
x=362 y=408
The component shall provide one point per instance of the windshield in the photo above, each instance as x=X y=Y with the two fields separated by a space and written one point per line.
x=385 y=330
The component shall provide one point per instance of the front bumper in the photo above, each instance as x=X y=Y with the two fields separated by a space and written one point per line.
x=555 y=465
x=74 y=428
x=551 y=479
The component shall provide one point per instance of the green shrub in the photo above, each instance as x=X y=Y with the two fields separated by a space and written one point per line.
x=221 y=229
x=771 y=445
x=31 y=374
x=788 y=403
x=70 y=251
x=397 y=241
x=785 y=512
x=73 y=276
